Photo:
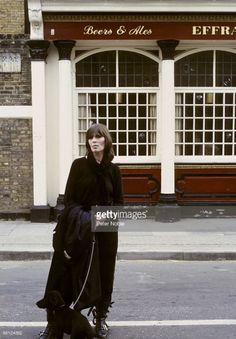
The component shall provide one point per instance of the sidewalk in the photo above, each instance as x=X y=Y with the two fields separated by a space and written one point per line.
x=186 y=239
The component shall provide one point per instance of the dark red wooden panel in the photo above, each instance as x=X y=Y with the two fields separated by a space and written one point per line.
x=141 y=184
x=206 y=185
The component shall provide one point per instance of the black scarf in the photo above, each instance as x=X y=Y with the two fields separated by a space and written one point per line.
x=104 y=184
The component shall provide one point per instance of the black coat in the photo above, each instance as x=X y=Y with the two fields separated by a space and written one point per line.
x=88 y=184
x=73 y=243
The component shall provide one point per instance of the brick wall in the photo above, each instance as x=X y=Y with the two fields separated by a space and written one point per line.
x=12 y=17
x=15 y=87
x=16 y=174
x=16 y=164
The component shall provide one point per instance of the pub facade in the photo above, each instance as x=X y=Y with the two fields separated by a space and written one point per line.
x=161 y=75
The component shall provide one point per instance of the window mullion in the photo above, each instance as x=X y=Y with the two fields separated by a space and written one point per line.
x=223 y=125
x=214 y=68
x=117 y=69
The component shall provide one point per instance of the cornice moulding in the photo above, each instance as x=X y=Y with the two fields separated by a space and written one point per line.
x=135 y=6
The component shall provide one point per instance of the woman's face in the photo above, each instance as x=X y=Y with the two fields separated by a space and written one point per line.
x=97 y=144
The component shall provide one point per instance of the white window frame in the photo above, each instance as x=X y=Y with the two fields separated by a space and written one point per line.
x=155 y=90
x=206 y=158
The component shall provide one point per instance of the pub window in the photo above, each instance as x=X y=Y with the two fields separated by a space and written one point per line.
x=99 y=70
x=128 y=105
x=205 y=116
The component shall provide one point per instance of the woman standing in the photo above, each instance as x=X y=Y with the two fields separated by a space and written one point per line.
x=94 y=180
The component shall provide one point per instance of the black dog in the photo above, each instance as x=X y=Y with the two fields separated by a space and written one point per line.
x=66 y=320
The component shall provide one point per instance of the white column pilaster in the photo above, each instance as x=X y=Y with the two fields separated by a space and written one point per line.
x=65 y=111
x=167 y=121
x=38 y=51
x=39 y=133
x=65 y=122
x=167 y=128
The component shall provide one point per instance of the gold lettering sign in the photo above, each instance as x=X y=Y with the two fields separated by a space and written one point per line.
x=214 y=30
x=140 y=30
x=135 y=30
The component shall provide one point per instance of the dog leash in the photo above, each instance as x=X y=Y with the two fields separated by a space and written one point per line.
x=86 y=278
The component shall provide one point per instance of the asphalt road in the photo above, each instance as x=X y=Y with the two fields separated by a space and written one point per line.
x=153 y=299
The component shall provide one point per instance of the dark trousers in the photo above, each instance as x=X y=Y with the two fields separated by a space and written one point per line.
x=107 y=247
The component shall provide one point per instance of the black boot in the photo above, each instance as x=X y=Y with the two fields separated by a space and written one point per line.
x=100 y=314
x=101 y=328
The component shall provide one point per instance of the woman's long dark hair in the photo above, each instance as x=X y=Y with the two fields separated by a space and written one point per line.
x=100 y=130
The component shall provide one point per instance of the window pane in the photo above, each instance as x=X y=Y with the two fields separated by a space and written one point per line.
x=98 y=70
x=130 y=117
x=225 y=69
x=210 y=128
x=195 y=70
x=136 y=70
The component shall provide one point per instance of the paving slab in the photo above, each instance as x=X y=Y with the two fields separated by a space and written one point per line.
x=185 y=239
